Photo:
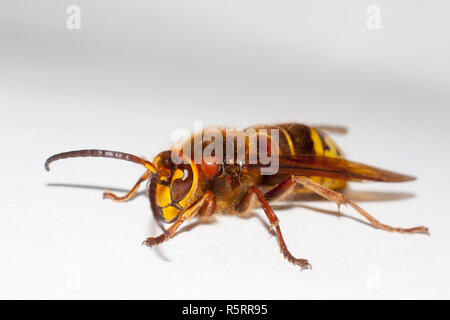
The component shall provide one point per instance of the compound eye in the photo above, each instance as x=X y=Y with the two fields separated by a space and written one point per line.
x=181 y=182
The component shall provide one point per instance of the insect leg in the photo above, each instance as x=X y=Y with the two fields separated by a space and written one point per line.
x=280 y=191
x=340 y=199
x=207 y=201
x=130 y=194
x=274 y=223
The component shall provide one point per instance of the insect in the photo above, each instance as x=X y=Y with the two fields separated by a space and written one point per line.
x=308 y=161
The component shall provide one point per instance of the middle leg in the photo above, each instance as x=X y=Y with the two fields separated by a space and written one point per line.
x=274 y=223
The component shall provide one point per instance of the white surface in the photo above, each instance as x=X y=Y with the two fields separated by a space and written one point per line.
x=137 y=70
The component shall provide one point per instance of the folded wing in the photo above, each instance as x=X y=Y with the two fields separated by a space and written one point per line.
x=336 y=168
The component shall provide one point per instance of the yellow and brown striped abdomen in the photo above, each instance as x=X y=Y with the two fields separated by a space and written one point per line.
x=298 y=139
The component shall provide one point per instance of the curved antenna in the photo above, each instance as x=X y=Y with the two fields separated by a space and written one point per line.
x=100 y=154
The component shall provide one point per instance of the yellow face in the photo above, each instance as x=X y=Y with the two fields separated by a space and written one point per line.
x=173 y=189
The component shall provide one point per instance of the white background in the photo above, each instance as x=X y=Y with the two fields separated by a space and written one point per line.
x=137 y=70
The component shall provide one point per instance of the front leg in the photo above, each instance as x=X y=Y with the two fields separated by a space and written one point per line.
x=207 y=202
x=131 y=193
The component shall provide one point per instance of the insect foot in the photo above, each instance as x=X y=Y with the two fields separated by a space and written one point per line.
x=150 y=242
x=302 y=263
x=420 y=229
x=423 y=230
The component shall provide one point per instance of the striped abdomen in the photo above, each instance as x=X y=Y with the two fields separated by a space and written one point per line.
x=298 y=139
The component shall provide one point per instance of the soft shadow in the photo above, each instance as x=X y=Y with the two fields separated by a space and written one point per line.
x=319 y=210
x=154 y=231
x=359 y=196
x=366 y=196
x=196 y=223
x=212 y=220
x=160 y=253
x=157 y=249
x=254 y=215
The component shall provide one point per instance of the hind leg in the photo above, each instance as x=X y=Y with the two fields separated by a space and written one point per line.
x=340 y=199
